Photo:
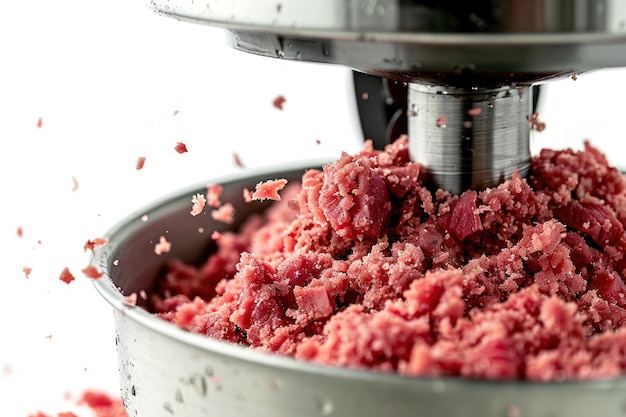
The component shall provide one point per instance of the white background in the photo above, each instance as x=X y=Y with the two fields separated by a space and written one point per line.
x=106 y=79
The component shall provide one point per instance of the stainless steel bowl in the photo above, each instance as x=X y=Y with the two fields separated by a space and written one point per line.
x=166 y=371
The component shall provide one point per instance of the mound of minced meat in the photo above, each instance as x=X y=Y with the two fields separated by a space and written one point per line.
x=362 y=266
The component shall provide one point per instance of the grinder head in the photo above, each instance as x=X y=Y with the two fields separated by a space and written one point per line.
x=468 y=65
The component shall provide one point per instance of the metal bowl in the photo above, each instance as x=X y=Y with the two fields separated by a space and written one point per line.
x=166 y=371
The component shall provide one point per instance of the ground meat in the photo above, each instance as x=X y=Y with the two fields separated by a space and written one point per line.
x=99 y=403
x=92 y=244
x=198 y=202
x=66 y=276
x=278 y=102
x=92 y=272
x=140 y=163
x=214 y=192
x=535 y=123
x=224 y=214
x=364 y=267
x=163 y=246
x=476 y=111
x=267 y=190
x=180 y=147
x=27 y=270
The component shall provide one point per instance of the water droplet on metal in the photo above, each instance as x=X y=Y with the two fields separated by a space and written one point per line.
x=281 y=54
x=490 y=105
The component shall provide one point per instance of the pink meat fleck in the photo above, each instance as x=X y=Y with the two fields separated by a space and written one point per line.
x=92 y=272
x=131 y=299
x=535 y=123
x=441 y=121
x=224 y=214
x=476 y=111
x=163 y=246
x=140 y=163
x=268 y=190
x=180 y=147
x=27 y=270
x=279 y=102
x=20 y=232
x=92 y=244
x=102 y=404
x=75 y=184
x=214 y=193
x=247 y=195
x=98 y=403
x=66 y=276
x=40 y=122
x=198 y=202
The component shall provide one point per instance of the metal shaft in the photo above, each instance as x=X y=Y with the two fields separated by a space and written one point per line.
x=469 y=138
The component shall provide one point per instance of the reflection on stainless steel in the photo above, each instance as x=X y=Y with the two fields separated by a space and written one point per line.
x=408 y=36
x=444 y=44
x=469 y=138
x=166 y=371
